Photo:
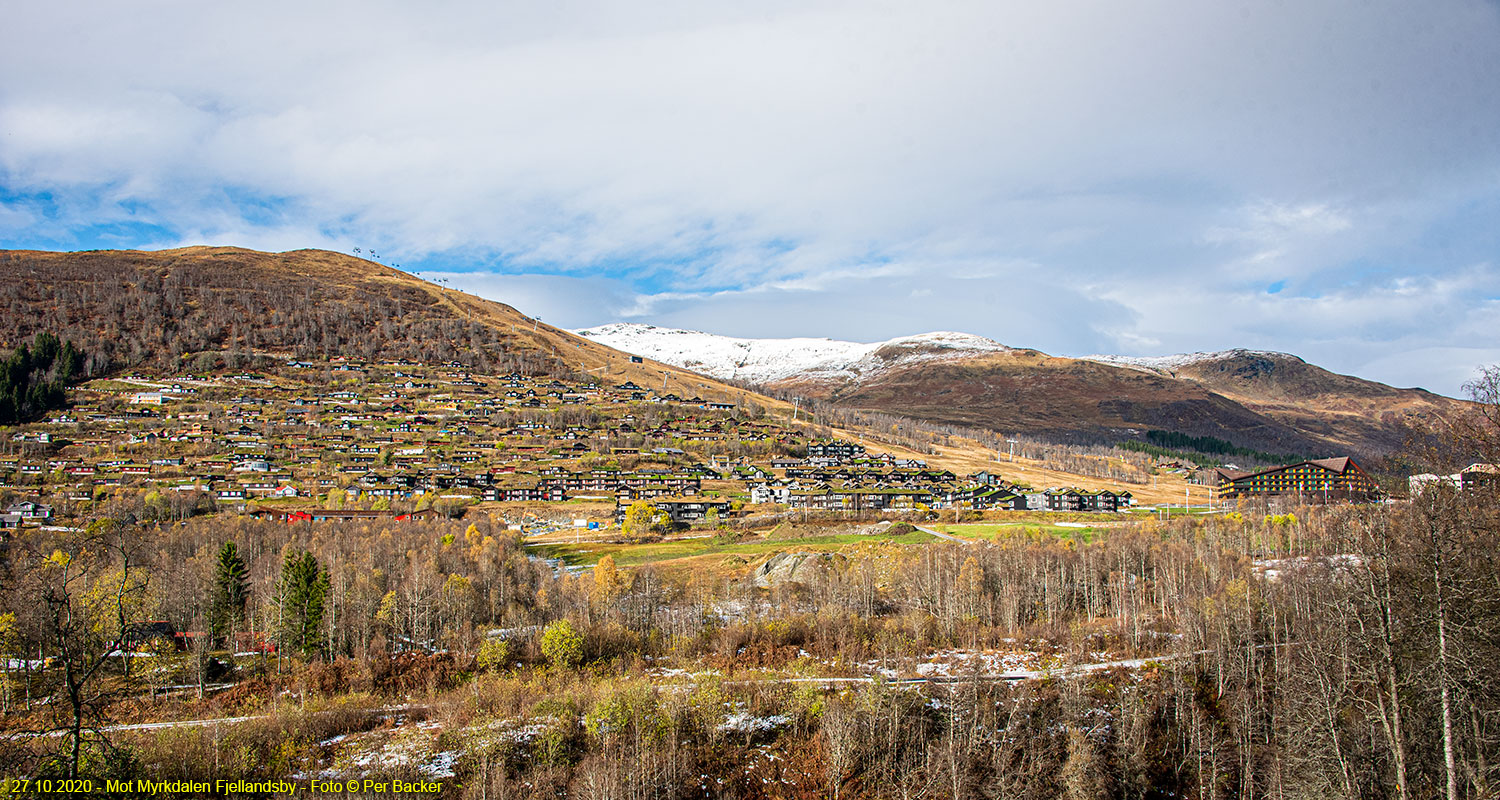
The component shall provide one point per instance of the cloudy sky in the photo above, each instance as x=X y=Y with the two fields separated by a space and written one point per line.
x=1313 y=176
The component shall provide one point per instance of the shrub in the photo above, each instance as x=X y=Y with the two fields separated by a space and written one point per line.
x=562 y=644
x=493 y=654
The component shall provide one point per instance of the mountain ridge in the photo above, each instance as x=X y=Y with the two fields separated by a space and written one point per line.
x=1263 y=399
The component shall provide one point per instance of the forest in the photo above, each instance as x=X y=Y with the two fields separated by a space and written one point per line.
x=35 y=379
x=1336 y=651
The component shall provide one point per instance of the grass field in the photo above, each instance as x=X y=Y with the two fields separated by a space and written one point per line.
x=1175 y=511
x=992 y=531
x=710 y=549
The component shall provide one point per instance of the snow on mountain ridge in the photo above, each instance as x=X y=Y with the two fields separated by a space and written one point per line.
x=767 y=360
x=1179 y=360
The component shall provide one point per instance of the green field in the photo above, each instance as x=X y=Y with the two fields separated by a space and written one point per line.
x=992 y=531
x=1173 y=511
x=584 y=553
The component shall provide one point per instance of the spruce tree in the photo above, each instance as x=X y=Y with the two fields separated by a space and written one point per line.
x=302 y=594
x=231 y=590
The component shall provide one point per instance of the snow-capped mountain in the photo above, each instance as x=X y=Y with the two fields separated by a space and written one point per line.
x=771 y=360
x=1274 y=402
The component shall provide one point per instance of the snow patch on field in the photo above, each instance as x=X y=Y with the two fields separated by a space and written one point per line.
x=745 y=722
x=411 y=746
x=1272 y=569
x=955 y=663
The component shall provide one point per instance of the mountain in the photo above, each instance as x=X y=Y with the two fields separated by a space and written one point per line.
x=201 y=308
x=1340 y=408
x=1272 y=402
x=767 y=361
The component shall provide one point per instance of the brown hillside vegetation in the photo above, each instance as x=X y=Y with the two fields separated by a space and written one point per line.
x=203 y=307
x=1341 y=408
x=1281 y=406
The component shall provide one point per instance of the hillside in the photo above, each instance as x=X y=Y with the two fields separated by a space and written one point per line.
x=1268 y=401
x=1340 y=408
x=207 y=310
x=202 y=308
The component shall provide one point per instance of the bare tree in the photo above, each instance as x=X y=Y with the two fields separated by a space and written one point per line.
x=91 y=594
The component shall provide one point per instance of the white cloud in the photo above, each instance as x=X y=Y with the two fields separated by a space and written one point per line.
x=783 y=166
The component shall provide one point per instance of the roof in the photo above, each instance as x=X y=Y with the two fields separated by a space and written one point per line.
x=1339 y=465
x=1336 y=464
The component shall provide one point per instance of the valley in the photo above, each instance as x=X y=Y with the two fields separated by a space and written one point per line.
x=401 y=533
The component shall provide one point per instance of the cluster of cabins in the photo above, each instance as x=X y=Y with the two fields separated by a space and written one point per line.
x=379 y=431
x=379 y=436
x=842 y=476
x=26 y=512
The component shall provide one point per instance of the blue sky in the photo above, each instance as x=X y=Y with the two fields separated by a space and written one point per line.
x=1319 y=177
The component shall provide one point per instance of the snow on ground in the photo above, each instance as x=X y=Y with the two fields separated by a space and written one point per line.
x=1168 y=363
x=957 y=663
x=386 y=750
x=1273 y=568
x=745 y=722
x=766 y=360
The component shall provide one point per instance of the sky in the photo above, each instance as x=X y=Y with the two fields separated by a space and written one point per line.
x=1317 y=177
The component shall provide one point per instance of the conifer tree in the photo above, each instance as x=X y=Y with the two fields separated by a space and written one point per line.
x=302 y=594
x=231 y=590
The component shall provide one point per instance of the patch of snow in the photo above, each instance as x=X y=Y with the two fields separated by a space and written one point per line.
x=769 y=360
x=1273 y=568
x=745 y=722
x=1179 y=360
x=441 y=765
x=951 y=663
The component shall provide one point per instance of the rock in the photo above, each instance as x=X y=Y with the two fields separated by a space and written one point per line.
x=783 y=568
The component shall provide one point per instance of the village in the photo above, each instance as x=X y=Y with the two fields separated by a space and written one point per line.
x=345 y=439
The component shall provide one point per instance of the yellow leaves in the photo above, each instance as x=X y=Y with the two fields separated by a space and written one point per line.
x=609 y=583
x=114 y=592
x=472 y=535
x=641 y=520
x=387 y=610
x=1210 y=608
x=970 y=577
x=59 y=559
x=493 y=654
x=457 y=586
x=1236 y=590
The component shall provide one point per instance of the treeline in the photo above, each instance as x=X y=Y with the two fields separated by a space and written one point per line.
x=35 y=379
x=1172 y=443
